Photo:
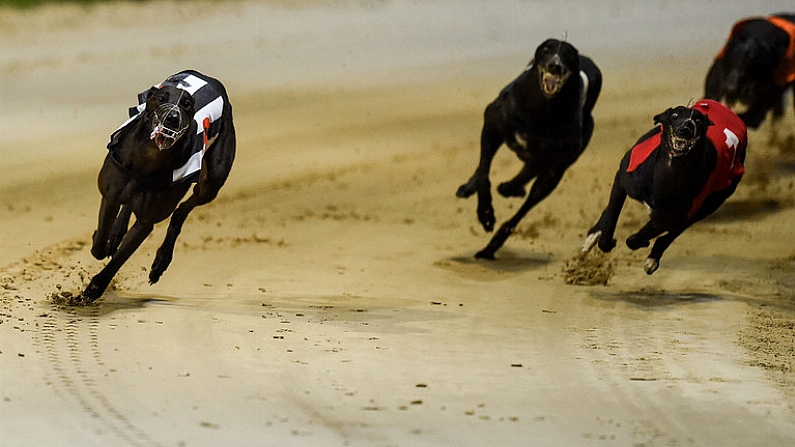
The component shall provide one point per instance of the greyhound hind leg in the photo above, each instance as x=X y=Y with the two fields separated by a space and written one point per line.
x=660 y=245
x=643 y=237
x=516 y=186
x=166 y=251
x=204 y=192
x=216 y=165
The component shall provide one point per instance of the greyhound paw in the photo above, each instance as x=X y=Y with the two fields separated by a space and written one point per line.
x=486 y=253
x=486 y=218
x=634 y=243
x=606 y=244
x=159 y=267
x=488 y=222
x=508 y=190
x=466 y=190
x=590 y=241
x=92 y=292
x=651 y=265
x=155 y=274
x=154 y=277
x=99 y=250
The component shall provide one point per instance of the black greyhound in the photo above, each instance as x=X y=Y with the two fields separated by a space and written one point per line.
x=181 y=133
x=755 y=67
x=683 y=170
x=544 y=116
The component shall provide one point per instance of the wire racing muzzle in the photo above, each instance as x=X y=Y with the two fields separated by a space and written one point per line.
x=169 y=123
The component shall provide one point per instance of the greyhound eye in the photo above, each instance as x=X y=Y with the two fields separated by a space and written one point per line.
x=674 y=115
x=162 y=97
x=186 y=103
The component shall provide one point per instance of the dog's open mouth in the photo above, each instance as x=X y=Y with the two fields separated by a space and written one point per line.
x=551 y=83
x=681 y=146
x=164 y=137
x=683 y=136
x=168 y=125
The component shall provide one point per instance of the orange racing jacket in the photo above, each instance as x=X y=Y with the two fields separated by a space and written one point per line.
x=784 y=73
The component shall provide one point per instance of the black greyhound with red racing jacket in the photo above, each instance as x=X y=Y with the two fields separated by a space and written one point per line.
x=683 y=170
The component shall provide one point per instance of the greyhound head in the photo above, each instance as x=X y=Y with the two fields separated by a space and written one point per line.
x=170 y=112
x=751 y=57
x=683 y=128
x=748 y=60
x=556 y=60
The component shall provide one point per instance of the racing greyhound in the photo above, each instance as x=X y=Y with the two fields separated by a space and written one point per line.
x=544 y=116
x=181 y=133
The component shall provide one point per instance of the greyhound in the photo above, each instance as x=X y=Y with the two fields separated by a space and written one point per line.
x=544 y=116
x=181 y=133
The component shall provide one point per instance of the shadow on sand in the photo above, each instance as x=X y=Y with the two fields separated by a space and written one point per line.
x=656 y=299
x=508 y=264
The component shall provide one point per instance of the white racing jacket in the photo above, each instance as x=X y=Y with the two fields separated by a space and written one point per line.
x=209 y=108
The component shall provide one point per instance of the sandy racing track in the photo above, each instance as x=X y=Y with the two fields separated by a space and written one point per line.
x=329 y=296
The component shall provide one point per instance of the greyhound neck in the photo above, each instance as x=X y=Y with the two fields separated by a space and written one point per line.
x=688 y=169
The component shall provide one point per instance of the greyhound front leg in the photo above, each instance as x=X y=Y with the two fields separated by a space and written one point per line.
x=108 y=212
x=543 y=186
x=490 y=142
x=604 y=230
x=481 y=185
x=132 y=240
x=119 y=229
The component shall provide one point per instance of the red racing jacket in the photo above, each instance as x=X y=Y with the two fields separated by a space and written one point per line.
x=728 y=135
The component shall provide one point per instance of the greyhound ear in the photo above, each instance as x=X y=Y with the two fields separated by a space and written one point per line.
x=659 y=118
x=707 y=121
x=144 y=96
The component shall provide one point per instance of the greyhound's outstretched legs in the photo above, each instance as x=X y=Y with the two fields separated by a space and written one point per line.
x=119 y=229
x=166 y=251
x=108 y=211
x=516 y=186
x=660 y=245
x=215 y=170
x=542 y=187
x=132 y=240
x=604 y=231
x=490 y=142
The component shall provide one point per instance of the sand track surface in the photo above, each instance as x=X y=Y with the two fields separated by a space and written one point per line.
x=329 y=295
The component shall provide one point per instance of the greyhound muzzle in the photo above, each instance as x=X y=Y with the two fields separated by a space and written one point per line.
x=552 y=76
x=169 y=124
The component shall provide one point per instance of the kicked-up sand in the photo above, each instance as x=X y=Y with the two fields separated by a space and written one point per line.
x=329 y=296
